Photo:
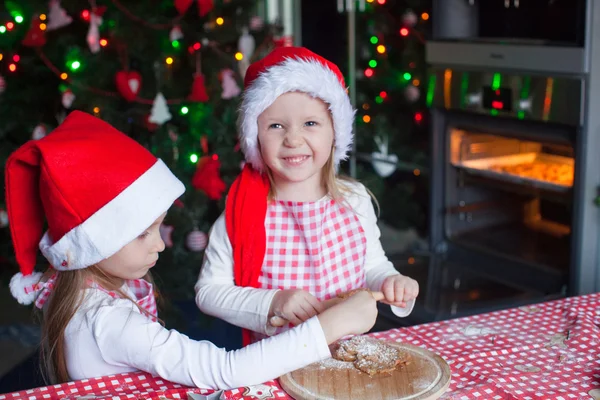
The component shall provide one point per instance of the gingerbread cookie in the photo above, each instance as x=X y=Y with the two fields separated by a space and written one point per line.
x=369 y=355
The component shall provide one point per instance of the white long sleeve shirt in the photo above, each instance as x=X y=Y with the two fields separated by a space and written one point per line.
x=110 y=336
x=217 y=294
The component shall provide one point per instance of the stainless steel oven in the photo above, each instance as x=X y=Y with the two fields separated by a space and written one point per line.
x=515 y=141
x=505 y=155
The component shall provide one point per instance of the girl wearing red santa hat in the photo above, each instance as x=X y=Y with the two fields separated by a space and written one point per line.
x=103 y=197
x=294 y=233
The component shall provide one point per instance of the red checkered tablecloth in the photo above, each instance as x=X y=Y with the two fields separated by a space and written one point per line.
x=547 y=351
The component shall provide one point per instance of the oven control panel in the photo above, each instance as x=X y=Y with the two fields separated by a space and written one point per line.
x=522 y=96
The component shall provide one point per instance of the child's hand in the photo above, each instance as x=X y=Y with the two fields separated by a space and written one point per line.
x=399 y=289
x=295 y=306
x=353 y=316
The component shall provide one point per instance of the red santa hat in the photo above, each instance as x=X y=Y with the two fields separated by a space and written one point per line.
x=291 y=69
x=97 y=188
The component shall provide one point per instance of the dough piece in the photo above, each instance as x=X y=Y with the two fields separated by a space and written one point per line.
x=352 y=292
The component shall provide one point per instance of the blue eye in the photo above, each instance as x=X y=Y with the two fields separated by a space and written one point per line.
x=311 y=123
x=275 y=126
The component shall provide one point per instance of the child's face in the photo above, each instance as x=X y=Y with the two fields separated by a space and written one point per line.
x=296 y=136
x=135 y=259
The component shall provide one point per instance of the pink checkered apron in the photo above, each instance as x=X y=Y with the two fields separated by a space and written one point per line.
x=316 y=246
x=141 y=289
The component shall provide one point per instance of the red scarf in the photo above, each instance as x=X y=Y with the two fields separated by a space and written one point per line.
x=245 y=212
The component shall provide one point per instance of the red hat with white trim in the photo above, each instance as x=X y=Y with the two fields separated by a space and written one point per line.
x=294 y=69
x=97 y=188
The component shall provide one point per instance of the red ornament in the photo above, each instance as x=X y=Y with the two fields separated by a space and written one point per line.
x=207 y=178
x=283 y=41
x=99 y=11
x=178 y=203
x=151 y=126
x=204 y=6
x=128 y=84
x=35 y=36
x=183 y=5
x=198 y=89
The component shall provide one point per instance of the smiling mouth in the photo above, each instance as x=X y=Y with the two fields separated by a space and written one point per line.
x=296 y=160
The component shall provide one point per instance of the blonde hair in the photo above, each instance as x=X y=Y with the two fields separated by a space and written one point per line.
x=66 y=298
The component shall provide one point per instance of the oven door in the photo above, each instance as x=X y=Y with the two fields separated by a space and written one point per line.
x=506 y=197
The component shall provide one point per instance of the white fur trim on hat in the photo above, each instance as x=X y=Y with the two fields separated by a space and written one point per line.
x=117 y=223
x=18 y=284
x=302 y=75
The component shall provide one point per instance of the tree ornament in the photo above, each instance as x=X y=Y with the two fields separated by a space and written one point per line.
x=246 y=46
x=229 y=85
x=198 y=89
x=174 y=137
x=183 y=5
x=198 y=93
x=93 y=35
x=67 y=99
x=128 y=84
x=207 y=177
x=160 y=110
x=283 y=41
x=57 y=16
x=383 y=163
x=176 y=33
x=150 y=126
x=35 y=35
x=3 y=218
x=409 y=18
x=39 y=132
x=165 y=234
x=256 y=23
x=204 y=6
x=412 y=93
x=196 y=240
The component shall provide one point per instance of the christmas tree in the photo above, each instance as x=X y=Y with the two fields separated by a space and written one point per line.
x=165 y=72
x=392 y=132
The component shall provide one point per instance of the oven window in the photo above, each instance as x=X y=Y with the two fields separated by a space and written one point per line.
x=510 y=197
x=536 y=164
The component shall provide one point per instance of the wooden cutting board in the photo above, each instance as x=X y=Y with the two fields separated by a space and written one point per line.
x=425 y=378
